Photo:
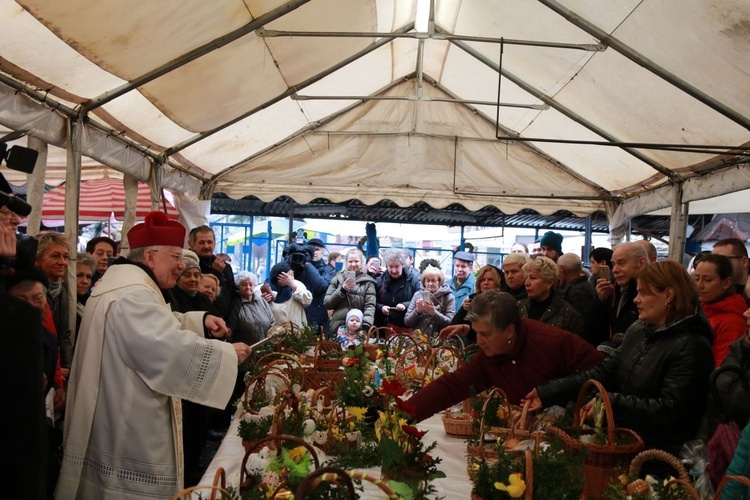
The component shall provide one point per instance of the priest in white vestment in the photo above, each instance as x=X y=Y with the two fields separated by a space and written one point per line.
x=133 y=363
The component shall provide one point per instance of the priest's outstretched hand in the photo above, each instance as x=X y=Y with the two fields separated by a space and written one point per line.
x=216 y=326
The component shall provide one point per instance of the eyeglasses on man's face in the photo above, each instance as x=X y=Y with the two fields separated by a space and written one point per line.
x=175 y=256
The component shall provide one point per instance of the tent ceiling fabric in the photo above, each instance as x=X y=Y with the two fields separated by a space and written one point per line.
x=236 y=95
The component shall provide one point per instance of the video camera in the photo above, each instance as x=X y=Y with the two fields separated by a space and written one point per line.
x=299 y=252
x=23 y=160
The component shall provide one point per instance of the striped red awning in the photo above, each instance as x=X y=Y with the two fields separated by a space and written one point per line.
x=99 y=199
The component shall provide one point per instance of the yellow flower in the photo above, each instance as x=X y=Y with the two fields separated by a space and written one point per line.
x=357 y=411
x=297 y=454
x=516 y=485
x=501 y=412
x=623 y=479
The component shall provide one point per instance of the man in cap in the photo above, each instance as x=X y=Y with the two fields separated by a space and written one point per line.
x=551 y=245
x=316 y=276
x=462 y=284
x=134 y=360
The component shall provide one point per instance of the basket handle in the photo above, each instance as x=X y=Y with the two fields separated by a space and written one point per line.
x=187 y=493
x=609 y=415
x=220 y=482
x=277 y=438
x=329 y=474
x=494 y=392
x=520 y=424
x=645 y=456
x=529 y=476
x=728 y=479
x=363 y=476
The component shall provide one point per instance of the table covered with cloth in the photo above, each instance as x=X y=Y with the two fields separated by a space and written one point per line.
x=451 y=450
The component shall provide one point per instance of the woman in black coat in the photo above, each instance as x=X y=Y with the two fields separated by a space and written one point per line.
x=395 y=289
x=658 y=379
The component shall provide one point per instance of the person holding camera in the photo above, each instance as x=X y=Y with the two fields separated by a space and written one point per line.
x=300 y=255
x=350 y=289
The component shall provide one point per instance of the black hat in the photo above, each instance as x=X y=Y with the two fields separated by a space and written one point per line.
x=552 y=240
x=33 y=274
x=317 y=242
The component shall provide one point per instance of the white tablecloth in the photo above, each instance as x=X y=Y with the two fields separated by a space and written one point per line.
x=452 y=450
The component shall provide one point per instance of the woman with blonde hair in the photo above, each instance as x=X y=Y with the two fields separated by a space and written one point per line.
x=432 y=308
x=542 y=303
x=352 y=288
x=658 y=379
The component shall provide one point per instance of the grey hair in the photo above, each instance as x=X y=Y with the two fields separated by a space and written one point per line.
x=519 y=259
x=633 y=250
x=85 y=259
x=244 y=276
x=138 y=254
x=571 y=262
x=394 y=254
x=544 y=267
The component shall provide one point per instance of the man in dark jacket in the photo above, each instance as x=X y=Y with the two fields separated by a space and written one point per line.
x=576 y=290
x=202 y=241
x=616 y=307
x=317 y=284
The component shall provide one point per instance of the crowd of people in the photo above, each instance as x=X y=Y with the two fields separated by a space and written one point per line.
x=163 y=337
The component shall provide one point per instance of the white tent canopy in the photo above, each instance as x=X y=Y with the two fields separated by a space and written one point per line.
x=374 y=99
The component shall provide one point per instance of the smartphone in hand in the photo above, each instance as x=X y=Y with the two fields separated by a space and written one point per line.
x=427 y=296
x=604 y=273
x=351 y=275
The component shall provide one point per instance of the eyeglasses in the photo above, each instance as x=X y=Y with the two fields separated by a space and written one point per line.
x=175 y=256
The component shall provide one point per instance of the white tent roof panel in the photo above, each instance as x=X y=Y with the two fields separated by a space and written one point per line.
x=232 y=103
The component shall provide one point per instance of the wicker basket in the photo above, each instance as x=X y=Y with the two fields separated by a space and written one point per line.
x=273 y=442
x=373 y=335
x=339 y=417
x=518 y=420
x=602 y=461
x=683 y=479
x=328 y=355
x=315 y=379
x=528 y=494
x=728 y=479
x=219 y=486
x=328 y=474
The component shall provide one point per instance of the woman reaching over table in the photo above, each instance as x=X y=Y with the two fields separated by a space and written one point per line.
x=658 y=379
x=516 y=354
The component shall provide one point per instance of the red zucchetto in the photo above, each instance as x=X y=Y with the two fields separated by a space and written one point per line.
x=157 y=229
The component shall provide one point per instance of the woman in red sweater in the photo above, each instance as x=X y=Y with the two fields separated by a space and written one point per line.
x=516 y=355
x=722 y=306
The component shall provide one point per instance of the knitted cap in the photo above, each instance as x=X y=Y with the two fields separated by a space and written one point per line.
x=354 y=312
x=552 y=240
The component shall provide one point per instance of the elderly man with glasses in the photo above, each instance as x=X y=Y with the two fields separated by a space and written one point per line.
x=134 y=361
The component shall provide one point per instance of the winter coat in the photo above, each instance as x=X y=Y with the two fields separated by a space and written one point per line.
x=316 y=279
x=181 y=301
x=461 y=292
x=445 y=308
x=362 y=297
x=558 y=313
x=657 y=381
x=727 y=323
x=740 y=466
x=735 y=400
x=392 y=292
x=582 y=297
x=541 y=353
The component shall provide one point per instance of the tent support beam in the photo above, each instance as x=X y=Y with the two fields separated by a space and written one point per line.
x=559 y=107
x=72 y=192
x=420 y=98
x=646 y=63
x=288 y=92
x=35 y=192
x=677 y=224
x=438 y=35
x=586 y=240
x=192 y=55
